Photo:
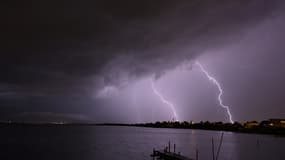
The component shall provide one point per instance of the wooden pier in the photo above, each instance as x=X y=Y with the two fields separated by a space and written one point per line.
x=166 y=154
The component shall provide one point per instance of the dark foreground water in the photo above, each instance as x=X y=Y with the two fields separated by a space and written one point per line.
x=130 y=143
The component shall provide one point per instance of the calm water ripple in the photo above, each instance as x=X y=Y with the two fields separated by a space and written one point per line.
x=130 y=143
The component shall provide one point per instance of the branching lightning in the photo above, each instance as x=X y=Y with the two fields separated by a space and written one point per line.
x=220 y=90
x=171 y=106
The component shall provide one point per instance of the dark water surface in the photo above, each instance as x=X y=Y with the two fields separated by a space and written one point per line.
x=130 y=143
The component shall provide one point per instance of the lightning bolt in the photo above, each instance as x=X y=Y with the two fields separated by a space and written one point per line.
x=220 y=90
x=171 y=106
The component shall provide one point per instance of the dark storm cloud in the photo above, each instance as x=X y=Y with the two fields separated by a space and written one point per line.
x=56 y=55
x=55 y=47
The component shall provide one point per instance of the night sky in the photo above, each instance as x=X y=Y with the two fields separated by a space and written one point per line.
x=95 y=61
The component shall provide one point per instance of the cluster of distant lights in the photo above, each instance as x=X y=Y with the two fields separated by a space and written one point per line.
x=211 y=78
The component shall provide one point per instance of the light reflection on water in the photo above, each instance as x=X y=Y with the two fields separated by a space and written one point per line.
x=123 y=143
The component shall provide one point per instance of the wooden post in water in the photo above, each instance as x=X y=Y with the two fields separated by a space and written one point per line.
x=174 y=148
x=220 y=144
x=168 y=146
x=213 y=149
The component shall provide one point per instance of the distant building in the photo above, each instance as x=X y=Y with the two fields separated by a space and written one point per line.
x=279 y=123
x=251 y=124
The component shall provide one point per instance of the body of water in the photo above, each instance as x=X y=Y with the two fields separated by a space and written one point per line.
x=130 y=143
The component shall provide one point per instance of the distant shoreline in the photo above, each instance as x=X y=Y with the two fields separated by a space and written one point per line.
x=238 y=128
x=275 y=131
